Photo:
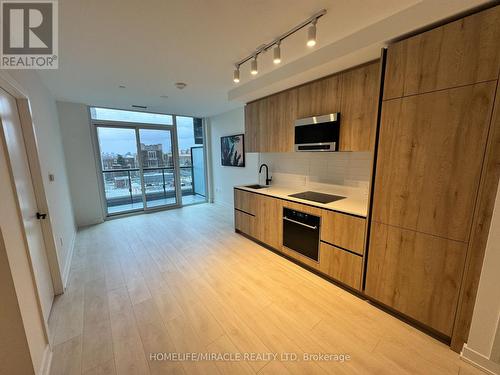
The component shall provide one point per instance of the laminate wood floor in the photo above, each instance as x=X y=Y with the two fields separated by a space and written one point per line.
x=182 y=281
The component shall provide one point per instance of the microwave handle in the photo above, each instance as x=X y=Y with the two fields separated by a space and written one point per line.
x=299 y=223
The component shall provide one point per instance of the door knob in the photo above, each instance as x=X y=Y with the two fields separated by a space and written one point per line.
x=40 y=216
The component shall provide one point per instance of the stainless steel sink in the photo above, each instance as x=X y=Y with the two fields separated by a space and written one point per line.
x=256 y=186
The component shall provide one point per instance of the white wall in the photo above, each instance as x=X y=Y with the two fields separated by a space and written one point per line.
x=225 y=178
x=80 y=161
x=483 y=345
x=51 y=155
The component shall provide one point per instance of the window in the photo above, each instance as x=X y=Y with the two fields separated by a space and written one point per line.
x=108 y=114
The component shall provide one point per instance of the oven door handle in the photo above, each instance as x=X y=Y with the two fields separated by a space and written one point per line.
x=299 y=223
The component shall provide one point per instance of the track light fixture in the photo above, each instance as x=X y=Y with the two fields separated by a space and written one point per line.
x=276 y=43
x=277 y=54
x=311 y=34
x=236 y=74
x=253 y=66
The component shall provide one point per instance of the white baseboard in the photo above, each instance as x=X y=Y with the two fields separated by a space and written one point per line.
x=480 y=361
x=46 y=361
x=69 y=259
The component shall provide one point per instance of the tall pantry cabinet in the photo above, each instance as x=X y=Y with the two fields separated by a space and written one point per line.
x=436 y=166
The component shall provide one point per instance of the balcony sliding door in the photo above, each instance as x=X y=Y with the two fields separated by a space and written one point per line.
x=120 y=169
x=158 y=168
x=149 y=161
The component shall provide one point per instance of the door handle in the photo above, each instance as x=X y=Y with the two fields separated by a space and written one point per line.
x=299 y=223
x=41 y=216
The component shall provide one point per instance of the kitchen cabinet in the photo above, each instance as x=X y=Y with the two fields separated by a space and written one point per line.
x=252 y=125
x=345 y=231
x=277 y=124
x=429 y=162
x=341 y=265
x=416 y=274
x=436 y=119
x=462 y=52
x=269 y=122
x=269 y=217
x=358 y=111
x=245 y=223
x=245 y=201
x=261 y=217
x=245 y=204
x=319 y=97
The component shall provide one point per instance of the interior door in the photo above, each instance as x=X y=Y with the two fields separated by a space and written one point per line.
x=14 y=142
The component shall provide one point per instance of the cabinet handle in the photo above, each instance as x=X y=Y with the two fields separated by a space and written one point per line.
x=299 y=223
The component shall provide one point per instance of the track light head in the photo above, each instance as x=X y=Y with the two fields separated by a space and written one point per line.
x=277 y=54
x=253 y=66
x=236 y=74
x=311 y=34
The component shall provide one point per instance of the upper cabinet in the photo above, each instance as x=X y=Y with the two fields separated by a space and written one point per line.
x=358 y=111
x=459 y=53
x=319 y=97
x=252 y=111
x=276 y=126
x=269 y=122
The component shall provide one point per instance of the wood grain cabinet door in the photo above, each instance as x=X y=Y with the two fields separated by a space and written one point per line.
x=277 y=121
x=245 y=222
x=462 y=52
x=429 y=160
x=341 y=265
x=245 y=201
x=252 y=126
x=416 y=274
x=342 y=230
x=269 y=221
x=319 y=97
x=358 y=112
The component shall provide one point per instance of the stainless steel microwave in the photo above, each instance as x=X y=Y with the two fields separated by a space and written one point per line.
x=318 y=133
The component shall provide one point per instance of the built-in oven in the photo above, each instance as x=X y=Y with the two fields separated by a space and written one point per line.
x=301 y=233
x=318 y=133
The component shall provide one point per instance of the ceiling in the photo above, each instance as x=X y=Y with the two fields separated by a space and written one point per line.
x=150 y=45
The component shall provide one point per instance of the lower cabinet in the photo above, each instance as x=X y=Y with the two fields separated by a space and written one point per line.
x=245 y=201
x=345 y=231
x=416 y=273
x=261 y=217
x=269 y=221
x=341 y=265
x=245 y=222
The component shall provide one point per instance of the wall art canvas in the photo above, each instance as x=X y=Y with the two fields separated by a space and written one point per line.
x=233 y=150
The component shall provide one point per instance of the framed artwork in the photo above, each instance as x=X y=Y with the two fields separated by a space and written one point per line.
x=232 y=149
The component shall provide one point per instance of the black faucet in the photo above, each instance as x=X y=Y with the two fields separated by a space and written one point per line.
x=268 y=180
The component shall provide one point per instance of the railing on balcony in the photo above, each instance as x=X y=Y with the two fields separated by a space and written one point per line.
x=123 y=187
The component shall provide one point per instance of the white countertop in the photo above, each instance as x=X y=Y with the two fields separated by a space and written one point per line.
x=355 y=201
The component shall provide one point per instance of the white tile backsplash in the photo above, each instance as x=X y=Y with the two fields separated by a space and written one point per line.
x=305 y=168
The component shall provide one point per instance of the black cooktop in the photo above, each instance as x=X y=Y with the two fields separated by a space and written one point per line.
x=317 y=197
